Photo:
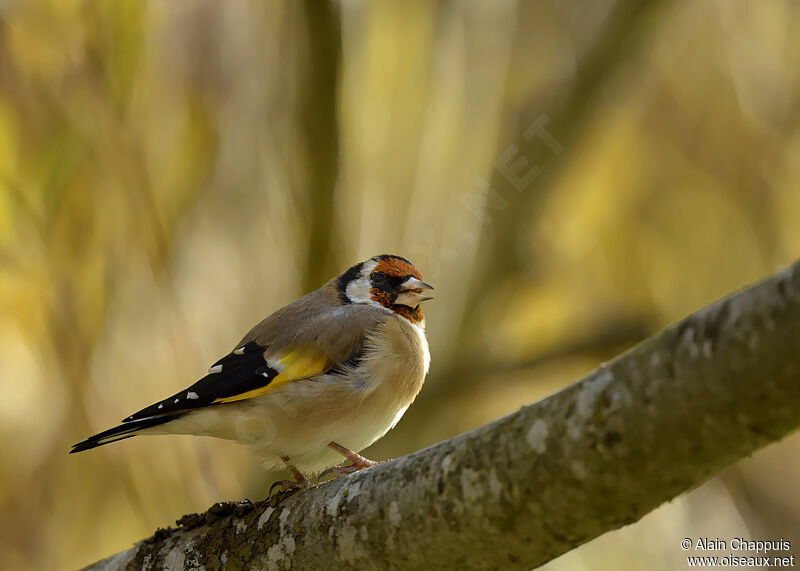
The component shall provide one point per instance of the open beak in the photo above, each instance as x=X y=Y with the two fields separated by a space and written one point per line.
x=411 y=292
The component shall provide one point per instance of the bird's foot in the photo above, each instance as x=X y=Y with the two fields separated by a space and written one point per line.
x=337 y=471
x=358 y=462
x=300 y=482
x=289 y=485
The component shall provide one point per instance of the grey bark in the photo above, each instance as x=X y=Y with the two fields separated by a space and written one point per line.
x=651 y=424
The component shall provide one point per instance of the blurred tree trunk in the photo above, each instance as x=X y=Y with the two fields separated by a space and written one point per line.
x=518 y=492
x=318 y=103
x=529 y=161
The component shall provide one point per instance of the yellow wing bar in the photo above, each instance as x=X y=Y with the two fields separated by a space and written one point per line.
x=295 y=363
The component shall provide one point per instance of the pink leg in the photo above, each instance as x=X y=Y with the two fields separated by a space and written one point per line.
x=299 y=482
x=358 y=462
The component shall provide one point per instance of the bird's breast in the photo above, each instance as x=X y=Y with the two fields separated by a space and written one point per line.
x=397 y=360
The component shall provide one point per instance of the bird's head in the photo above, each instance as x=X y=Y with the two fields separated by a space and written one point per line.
x=386 y=280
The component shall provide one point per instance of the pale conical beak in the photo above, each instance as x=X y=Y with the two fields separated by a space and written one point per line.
x=411 y=292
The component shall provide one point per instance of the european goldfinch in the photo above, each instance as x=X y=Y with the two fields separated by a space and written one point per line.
x=326 y=375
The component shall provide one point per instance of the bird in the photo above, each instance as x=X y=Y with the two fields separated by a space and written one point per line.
x=312 y=384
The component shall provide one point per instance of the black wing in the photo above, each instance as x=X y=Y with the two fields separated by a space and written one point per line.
x=240 y=371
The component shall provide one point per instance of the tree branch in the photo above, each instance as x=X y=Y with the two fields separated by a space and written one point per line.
x=600 y=454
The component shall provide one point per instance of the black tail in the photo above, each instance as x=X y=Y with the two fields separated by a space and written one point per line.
x=125 y=430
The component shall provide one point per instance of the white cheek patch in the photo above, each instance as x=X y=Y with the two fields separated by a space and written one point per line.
x=358 y=290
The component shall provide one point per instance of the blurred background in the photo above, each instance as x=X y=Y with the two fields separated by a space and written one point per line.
x=572 y=176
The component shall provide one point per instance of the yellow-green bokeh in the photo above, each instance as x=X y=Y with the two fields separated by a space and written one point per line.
x=165 y=168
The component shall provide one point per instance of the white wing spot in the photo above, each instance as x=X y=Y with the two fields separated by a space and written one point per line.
x=215 y=369
x=176 y=401
x=239 y=351
x=161 y=405
x=265 y=374
x=191 y=395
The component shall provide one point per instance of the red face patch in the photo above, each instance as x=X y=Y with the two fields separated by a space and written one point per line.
x=397 y=268
x=413 y=314
x=382 y=297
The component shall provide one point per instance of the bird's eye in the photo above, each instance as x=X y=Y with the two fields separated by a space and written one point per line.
x=379 y=278
x=385 y=282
